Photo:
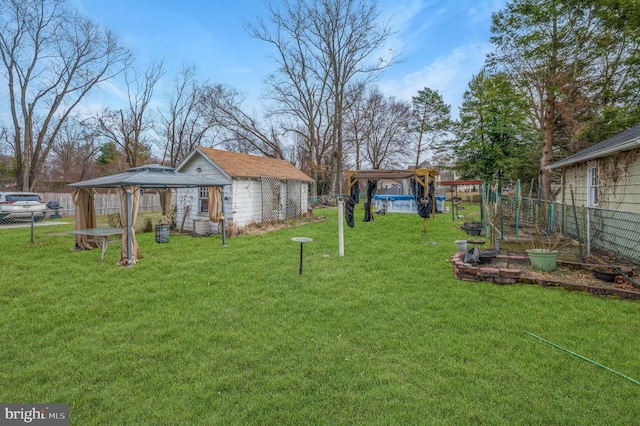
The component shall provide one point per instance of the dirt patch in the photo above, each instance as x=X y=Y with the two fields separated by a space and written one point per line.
x=263 y=228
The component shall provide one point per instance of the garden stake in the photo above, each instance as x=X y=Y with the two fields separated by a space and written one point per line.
x=586 y=242
x=575 y=219
x=583 y=358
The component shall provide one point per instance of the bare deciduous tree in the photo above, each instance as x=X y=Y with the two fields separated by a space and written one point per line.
x=74 y=152
x=349 y=33
x=296 y=89
x=186 y=122
x=385 y=123
x=129 y=129
x=242 y=132
x=356 y=128
x=324 y=48
x=52 y=58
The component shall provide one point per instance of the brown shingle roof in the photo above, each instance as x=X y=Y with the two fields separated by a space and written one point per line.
x=245 y=165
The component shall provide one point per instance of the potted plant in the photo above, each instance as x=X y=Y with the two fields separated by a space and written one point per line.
x=544 y=253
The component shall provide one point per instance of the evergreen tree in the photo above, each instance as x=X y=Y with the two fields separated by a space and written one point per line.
x=575 y=61
x=493 y=138
x=431 y=120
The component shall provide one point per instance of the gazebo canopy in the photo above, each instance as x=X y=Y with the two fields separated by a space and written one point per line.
x=148 y=176
x=151 y=176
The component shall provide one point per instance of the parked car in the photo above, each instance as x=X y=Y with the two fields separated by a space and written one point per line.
x=20 y=205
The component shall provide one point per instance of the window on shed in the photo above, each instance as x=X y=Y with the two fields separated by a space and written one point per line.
x=592 y=185
x=203 y=199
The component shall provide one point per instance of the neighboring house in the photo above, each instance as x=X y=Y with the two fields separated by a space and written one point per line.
x=605 y=175
x=262 y=190
x=599 y=197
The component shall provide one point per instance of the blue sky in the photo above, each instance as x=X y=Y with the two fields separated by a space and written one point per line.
x=443 y=43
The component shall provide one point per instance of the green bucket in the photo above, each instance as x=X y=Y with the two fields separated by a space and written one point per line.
x=543 y=259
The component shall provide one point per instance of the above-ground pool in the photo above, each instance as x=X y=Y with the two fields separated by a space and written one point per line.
x=395 y=203
x=403 y=203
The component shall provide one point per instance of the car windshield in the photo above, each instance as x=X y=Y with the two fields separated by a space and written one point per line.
x=23 y=197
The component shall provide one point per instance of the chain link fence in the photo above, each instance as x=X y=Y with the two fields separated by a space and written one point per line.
x=294 y=199
x=271 y=207
x=280 y=199
x=610 y=231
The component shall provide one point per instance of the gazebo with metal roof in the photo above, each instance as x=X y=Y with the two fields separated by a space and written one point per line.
x=148 y=176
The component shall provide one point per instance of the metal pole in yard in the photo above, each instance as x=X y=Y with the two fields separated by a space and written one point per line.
x=340 y=227
x=224 y=219
x=575 y=220
x=301 y=245
x=453 y=215
x=586 y=228
x=482 y=202
x=129 y=225
x=517 y=208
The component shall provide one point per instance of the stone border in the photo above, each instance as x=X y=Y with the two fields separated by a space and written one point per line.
x=466 y=272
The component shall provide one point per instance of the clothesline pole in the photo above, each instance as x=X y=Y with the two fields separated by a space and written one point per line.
x=340 y=227
x=224 y=219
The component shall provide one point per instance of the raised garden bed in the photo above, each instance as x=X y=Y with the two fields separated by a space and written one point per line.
x=515 y=268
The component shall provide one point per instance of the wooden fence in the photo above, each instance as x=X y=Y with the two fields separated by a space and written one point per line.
x=104 y=203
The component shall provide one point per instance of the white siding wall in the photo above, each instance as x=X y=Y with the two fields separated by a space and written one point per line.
x=243 y=199
x=186 y=197
x=575 y=179
x=247 y=201
x=190 y=196
x=619 y=182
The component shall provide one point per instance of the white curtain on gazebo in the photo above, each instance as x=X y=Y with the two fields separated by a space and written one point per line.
x=165 y=205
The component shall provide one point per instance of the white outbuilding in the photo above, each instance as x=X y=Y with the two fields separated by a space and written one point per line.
x=261 y=190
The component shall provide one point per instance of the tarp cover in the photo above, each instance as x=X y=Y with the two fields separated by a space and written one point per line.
x=372 y=185
x=424 y=203
x=350 y=204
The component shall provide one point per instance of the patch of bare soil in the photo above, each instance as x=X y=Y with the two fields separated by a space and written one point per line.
x=263 y=228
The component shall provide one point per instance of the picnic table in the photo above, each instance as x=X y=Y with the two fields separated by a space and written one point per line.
x=100 y=236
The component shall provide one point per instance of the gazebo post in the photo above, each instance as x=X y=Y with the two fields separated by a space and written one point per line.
x=224 y=219
x=425 y=192
x=128 y=197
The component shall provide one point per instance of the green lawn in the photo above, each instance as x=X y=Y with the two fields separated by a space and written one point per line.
x=200 y=334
